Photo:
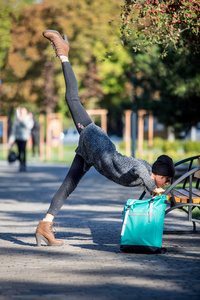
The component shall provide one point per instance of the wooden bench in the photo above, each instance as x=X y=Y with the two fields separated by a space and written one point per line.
x=184 y=191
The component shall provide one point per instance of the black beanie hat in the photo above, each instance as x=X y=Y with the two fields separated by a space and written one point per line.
x=163 y=166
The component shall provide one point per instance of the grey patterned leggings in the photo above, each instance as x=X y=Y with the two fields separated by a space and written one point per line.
x=81 y=120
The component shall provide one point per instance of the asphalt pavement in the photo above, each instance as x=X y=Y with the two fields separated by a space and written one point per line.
x=90 y=264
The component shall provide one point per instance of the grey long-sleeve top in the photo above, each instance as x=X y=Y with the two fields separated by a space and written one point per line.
x=98 y=150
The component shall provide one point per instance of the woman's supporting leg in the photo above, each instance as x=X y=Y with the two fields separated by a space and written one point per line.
x=79 y=114
x=76 y=172
x=44 y=230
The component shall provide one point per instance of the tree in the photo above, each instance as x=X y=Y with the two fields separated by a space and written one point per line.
x=5 y=37
x=8 y=6
x=168 y=86
x=92 y=38
x=171 y=24
x=167 y=30
x=180 y=91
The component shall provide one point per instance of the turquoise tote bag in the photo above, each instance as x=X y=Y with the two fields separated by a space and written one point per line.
x=142 y=227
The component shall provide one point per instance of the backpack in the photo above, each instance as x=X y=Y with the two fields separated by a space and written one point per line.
x=142 y=227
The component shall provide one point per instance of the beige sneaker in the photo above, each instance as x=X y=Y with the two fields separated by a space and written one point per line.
x=60 y=45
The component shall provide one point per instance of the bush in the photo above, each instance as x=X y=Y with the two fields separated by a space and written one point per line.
x=158 y=143
x=170 y=146
x=191 y=146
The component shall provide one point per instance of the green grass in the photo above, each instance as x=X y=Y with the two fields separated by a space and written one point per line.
x=68 y=154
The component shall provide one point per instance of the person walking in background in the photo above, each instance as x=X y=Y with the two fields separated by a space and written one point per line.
x=97 y=150
x=20 y=134
x=35 y=132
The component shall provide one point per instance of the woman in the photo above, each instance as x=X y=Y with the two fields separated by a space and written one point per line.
x=95 y=149
x=21 y=133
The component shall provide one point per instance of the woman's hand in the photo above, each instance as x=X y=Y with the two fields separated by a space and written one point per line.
x=158 y=192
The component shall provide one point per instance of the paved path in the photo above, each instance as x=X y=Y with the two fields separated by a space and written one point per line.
x=90 y=264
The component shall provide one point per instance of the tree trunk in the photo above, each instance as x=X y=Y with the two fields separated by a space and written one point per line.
x=50 y=98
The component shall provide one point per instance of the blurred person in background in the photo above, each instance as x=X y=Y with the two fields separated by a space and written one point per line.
x=21 y=133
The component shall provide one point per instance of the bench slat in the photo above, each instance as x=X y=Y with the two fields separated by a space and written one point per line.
x=182 y=198
x=194 y=191
x=178 y=197
x=195 y=198
x=182 y=195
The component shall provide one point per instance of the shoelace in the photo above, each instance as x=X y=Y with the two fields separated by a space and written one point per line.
x=54 y=45
x=54 y=227
x=54 y=48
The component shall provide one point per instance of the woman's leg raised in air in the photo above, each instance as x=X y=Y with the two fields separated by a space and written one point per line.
x=61 y=47
x=80 y=116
